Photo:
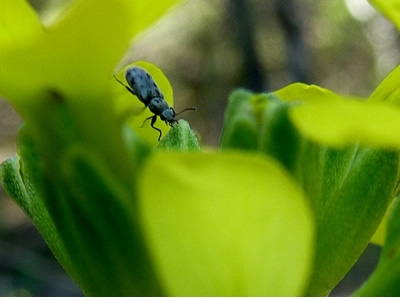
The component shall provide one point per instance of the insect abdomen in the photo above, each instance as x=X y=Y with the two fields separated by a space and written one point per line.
x=142 y=84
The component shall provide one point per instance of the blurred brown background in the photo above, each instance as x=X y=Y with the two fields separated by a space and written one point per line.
x=207 y=48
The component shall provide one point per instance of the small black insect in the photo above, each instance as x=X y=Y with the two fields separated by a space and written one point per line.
x=145 y=88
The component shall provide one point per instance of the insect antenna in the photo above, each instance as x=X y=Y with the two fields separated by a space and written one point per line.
x=187 y=109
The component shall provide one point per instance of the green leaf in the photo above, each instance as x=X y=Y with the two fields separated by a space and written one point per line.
x=279 y=138
x=57 y=128
x=180 y=138
x=389 y=8
x=240 y=126
x=357 y=187
x=384 y=281
x=19 y=178
x=97 y=219
x=13 y=184
x=336 y=179
x=226 y=224
x=260 y=122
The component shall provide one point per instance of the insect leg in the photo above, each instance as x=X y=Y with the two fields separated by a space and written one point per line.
x=153 y=120
x=128 y=88
x=144 y=121
x=131 y=112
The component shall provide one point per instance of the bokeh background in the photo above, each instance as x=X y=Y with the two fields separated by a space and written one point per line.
x=207 y=48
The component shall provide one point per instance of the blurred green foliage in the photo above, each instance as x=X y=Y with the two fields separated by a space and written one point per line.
x=111 y=205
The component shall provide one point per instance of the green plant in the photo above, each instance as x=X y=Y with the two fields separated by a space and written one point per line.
x=303 y=179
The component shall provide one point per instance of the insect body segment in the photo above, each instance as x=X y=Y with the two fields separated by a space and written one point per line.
x=145 y=88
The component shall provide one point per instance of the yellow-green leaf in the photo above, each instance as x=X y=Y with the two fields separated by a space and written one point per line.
x=305 y=93
x=389 y=89
x=226 y=224
x=390 y=8
x=19 y=24
x=76 y=56
x=344 y=122
x=379 y=236
x=146 y=12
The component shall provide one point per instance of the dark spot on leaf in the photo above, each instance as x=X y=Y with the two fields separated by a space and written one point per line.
x=55 y=95
x=391 y=252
